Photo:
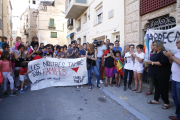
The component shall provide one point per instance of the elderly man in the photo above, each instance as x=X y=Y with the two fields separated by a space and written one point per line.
x=175 y=59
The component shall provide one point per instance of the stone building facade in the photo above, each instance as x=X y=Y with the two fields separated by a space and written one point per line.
x=136 y=24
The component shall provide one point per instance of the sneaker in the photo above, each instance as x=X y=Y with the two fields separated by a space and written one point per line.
x=99 y=86
x=81 y=86
x=124 y=88
x=13 y=94
x=129 y=87
x=22 y=91
x=27 y=88
x=77 y=87
x=5 y=94
x=90 y=87
x=101 y=81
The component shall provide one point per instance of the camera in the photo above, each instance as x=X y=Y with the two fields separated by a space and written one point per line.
x=96 y=43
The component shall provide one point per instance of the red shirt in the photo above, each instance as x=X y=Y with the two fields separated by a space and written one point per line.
x=37 y=57
x=23 y=70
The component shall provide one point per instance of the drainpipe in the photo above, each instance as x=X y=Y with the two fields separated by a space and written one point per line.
x=2 y=19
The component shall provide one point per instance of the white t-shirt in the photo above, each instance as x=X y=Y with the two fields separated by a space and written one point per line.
x=100 y=52
x=129 y=64
x=140 y=56
x=175 y=68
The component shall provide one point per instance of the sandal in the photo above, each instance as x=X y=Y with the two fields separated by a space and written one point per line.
x=165 y=106
x=116 y=85
x=111 y=84
x=150 y=102
x=148 y=93
x=105 y=85
x=138 y=91
x=134 y=89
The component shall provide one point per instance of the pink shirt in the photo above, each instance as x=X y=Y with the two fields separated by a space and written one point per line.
x=17 y=45
x=5 y=66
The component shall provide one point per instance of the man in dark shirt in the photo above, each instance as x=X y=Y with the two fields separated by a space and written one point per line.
x=83 y=50
x=48 y=52
x=73 y=51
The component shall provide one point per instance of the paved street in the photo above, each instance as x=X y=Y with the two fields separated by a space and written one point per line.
x=63 y=103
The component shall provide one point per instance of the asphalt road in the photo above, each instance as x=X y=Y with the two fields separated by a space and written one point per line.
x=62 y=103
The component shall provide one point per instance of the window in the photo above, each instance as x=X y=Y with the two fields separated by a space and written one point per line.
x=99 y=16
x=0 y=24
x=34 y=1
x=51 y=23
x=53 y=34
x=85 y=17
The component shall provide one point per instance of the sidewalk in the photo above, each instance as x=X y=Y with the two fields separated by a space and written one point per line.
x=137 y=102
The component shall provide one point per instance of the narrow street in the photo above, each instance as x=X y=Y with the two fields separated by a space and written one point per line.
x=63 y=103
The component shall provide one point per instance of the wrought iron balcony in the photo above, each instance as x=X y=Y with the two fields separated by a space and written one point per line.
x=75 y=8
x=98 y=21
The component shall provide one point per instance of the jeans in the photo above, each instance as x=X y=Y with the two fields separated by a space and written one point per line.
x=126 y=73
x=94 y=68
x=176 y=96
x=98 y=64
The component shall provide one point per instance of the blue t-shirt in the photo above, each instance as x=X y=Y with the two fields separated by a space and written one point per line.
x=1 y=44
x=119 y=48
x=82 y=52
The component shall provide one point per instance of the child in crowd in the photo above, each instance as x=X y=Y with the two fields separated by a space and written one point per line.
x=57 y=50
x=6 y=72
x=61 y=53
x=118 y=68
x=4 y=40
x=138 y=67
x=34 y=43
x=18 y=42
x=23 y=76
x=39 y=55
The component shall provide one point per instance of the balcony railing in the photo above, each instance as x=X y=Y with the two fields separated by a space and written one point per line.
x=68 y=8
x=51 y=28
x=26 y=32
x=78 y=29
x=98 y=21
x=43 y=8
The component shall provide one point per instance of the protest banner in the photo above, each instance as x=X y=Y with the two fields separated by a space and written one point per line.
x=168 y=37
x=47 y=72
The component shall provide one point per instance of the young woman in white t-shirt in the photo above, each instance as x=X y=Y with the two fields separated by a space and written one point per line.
x=128 y=66
x=138 y=67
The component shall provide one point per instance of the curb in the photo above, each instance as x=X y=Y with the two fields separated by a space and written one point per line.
x=125 y=105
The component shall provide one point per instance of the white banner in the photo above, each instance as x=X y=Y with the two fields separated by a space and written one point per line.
x=168 y=37
x=47 y=72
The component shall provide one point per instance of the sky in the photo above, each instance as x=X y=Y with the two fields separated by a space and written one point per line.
x=19 y=6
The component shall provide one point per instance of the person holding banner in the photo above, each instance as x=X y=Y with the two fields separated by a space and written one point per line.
x=138 y=67
x=161 y=74
x=175 y=59
x=91 y=55
x=34 y=53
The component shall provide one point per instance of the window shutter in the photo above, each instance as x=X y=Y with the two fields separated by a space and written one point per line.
x=53 y=34
x=51 y=22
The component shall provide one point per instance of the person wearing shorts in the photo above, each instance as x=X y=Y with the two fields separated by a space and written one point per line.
x=138 y=67
x=23 y=76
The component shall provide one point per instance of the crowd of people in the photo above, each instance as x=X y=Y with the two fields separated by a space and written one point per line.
x=105 y=61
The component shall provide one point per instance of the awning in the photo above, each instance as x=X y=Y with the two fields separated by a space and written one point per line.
x=70 y=35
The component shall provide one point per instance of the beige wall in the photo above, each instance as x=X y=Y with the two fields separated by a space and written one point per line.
x=135 y=24
x=109 y=27
x=60 y=23
x=6 y=16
